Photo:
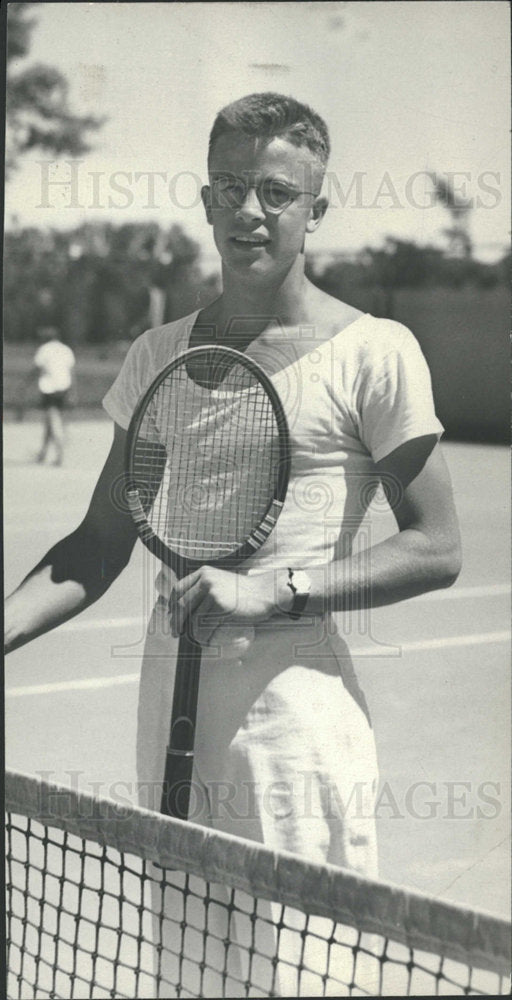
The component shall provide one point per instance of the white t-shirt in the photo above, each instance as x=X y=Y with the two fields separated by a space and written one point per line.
x=55 y=362
x=349 y=402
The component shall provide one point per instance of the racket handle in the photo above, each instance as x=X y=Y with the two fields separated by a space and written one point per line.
x=179 y=759
x=177 y=783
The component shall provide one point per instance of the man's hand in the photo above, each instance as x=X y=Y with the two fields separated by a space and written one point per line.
x=212 y=599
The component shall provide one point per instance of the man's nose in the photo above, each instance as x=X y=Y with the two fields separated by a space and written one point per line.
x=251 y=207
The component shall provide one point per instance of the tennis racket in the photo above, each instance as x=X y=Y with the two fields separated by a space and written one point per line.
x=208 y=461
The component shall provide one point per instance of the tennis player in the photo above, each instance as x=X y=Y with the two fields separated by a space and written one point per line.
x=285 y=752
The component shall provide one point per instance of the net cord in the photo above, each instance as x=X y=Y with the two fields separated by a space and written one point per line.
x=415 y=919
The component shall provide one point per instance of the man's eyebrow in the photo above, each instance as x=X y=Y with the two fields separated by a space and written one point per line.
x=280 y=180
x=245 y=175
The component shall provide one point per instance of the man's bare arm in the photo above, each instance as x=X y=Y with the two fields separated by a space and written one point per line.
x=423 y=555
x=79 y=568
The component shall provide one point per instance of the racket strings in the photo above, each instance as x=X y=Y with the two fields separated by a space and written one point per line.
x=222 y=454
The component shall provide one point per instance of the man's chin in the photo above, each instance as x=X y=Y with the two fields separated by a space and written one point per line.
x=257 y=267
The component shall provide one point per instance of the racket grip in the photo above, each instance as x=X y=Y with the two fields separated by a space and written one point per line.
x=177 y=783
x=179 y=760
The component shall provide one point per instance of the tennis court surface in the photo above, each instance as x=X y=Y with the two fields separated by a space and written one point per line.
x=435 y=672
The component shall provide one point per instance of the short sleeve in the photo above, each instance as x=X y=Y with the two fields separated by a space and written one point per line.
x=147 y=356
x=397 y=403
x=134 y=377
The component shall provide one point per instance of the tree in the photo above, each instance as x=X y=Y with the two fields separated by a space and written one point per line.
x=38 y=115
x=100 y=283
x=459 y=240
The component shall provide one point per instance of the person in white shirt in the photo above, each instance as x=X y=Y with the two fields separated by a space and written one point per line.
x=359 y=404
x=54 y=363
x=283 y=734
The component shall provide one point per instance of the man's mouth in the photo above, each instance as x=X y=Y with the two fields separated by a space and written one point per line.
x=250 y=240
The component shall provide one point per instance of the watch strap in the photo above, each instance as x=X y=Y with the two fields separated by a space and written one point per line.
x=300 y=586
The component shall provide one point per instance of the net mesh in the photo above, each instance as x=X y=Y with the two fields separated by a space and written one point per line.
x=106 y=900
x=207 y=456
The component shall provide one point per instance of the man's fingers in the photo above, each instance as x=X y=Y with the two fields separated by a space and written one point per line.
x=202 y=601
x=181 y=606
x=200 y=622
x=181 y=586
x=195 y=612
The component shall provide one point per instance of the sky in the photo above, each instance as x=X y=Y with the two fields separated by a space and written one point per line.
x=407 y=89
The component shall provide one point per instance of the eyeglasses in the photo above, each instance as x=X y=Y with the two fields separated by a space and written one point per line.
x=273 y=195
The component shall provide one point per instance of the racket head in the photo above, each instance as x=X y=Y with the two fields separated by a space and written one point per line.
x=207 y=459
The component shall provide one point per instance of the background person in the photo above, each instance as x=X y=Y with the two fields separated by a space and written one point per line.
x=54 y=363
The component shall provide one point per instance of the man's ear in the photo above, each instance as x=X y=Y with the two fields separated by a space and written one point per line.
x=206 y=197
x=318 y=210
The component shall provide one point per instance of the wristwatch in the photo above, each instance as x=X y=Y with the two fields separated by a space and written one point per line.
x=300 y=586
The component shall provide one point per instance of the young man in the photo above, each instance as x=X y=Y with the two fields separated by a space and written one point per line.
x=283 y=733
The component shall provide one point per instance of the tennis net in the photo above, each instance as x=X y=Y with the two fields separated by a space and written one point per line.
x=105 y=900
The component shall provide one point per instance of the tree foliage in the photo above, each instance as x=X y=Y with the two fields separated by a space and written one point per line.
x=97 y=282
x=459 y=208
x=370 y=279
x=38 y=114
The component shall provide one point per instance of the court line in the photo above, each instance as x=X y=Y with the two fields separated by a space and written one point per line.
x=457 y=593
x=94 y=623
x=92 y=683
x=461 y=593
x=98 y=683
x=421 y=645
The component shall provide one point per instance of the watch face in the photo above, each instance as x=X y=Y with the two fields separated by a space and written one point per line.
x=301 y=582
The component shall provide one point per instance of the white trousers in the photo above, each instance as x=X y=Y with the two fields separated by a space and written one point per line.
x=284 y=755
